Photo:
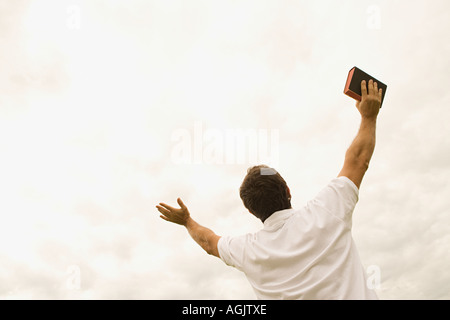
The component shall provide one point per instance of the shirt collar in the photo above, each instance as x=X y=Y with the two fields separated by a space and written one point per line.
x=277 y=217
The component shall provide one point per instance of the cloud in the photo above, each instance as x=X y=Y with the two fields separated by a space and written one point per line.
x=88 y=115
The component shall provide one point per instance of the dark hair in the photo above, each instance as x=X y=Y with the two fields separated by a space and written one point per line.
x=264 y=192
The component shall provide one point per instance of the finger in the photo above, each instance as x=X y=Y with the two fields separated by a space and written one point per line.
x=163 y=210
x=380 y=93
x=167 y=207
x=164 y=218
x=375 y=87
x=363 y=88
x=370 y=87
x=181 y=203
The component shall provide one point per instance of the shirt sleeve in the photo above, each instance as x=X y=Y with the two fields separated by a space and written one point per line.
x=339 y=198
x=232 y=250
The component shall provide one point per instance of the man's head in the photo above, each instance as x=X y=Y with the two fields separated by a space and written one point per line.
x=264 y=191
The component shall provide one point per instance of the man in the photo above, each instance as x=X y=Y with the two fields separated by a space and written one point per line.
x=299 y=254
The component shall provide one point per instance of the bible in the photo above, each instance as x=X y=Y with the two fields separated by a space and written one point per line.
x=353 y=84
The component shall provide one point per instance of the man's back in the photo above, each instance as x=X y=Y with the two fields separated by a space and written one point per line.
x=304 y=254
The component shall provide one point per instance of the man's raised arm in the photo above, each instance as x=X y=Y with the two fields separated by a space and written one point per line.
x=360 y=152
x=205 y=237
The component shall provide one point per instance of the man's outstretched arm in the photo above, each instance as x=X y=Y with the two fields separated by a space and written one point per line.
x=360 y=152
x=205 y=237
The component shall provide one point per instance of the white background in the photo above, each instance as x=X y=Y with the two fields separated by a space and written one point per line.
x=91 y=93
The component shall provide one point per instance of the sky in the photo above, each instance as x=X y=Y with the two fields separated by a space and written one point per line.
x=108 y=107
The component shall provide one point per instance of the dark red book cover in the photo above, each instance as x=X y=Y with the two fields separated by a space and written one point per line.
x=353 y=84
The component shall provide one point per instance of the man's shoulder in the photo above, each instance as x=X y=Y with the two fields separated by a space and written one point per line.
x=338 y=198
x=340 y=186
x=345 y=181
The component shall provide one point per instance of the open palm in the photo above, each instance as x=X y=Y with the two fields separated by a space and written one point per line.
x=174 y=215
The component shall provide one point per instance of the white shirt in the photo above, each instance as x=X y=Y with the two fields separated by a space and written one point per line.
x=304 y=254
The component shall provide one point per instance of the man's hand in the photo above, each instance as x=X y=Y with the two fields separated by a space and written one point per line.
x=370 y=103
x=179 y=216
x=205 y=237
